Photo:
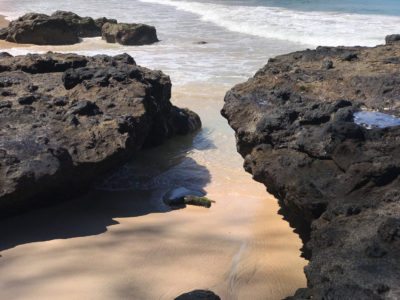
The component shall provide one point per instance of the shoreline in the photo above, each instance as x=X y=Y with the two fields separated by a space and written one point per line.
x=3 y=21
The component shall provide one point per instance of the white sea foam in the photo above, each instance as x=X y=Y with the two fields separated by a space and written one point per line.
x=312 y=28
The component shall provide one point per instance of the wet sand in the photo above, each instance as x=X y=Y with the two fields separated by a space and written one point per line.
x=4 y=45
x=126 y=244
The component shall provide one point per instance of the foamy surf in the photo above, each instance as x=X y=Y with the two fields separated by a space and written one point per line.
x=311 y=28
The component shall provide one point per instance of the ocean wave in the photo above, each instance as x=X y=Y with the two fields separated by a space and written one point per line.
x=310 y=28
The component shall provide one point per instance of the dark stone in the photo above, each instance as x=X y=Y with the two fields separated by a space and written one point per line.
x=5 y=54
x=198 y=201
x=349 y=56
x=389 y=231
x=303 y=294
x=327 y=64
x=72 y=120
x=375 y=251
x=176 y=197
x=32 y=88
x=65 y=28
x=382 y=288
x=198 y=295
x=389 y=39
x=84 y=108
x=3 y=33
x=60 y=101
x=129 y=34
x=41 y=29
x=336 y=181
x=26 y=100
x=82 y=26
x=73 y=77
x=60 y=143
x=5 y=104
x=184 y=120
x=101 y=21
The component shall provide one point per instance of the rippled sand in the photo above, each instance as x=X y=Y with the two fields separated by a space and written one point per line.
x=123 y=243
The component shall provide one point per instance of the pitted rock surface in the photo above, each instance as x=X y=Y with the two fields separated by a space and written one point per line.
x=67 y=119
x=66 y=28
x=337 y=181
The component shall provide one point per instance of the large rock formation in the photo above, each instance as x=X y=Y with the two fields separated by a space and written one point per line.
x=318 y=128
x=83 y=26
x=129 y=34
x=65 y=28
x=67 y=119
x=40 y=29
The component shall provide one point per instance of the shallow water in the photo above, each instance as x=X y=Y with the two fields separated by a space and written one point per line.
x=120 y=241
x=375 y=119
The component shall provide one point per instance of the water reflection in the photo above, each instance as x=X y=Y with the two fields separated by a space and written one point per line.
x=374 y=119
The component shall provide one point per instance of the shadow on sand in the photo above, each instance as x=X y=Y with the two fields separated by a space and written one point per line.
x=134 y=190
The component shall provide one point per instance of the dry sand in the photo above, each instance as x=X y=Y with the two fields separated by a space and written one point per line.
x=3 y=21
x=124 y=245
x=3 y=44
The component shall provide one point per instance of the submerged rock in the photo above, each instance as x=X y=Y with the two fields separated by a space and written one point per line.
x=129 y=34
x=198 y=295
x=198 y=201
x=67 y=119
x=336 y=177
x=176 y=197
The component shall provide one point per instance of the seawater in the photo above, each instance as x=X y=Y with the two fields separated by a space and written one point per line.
x=240 y=248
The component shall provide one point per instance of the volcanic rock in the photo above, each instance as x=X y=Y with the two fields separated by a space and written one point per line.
x=336 y=179
x=129 y=34
x=65 y=28
x=83 y=26
x=392 y=38
x=176 y=197
x=198 y=295
x=40 y=29
x=67 y=119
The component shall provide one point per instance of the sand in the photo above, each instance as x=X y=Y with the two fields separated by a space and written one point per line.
x=3 y=44
x=127 y=245
x=3 y=21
